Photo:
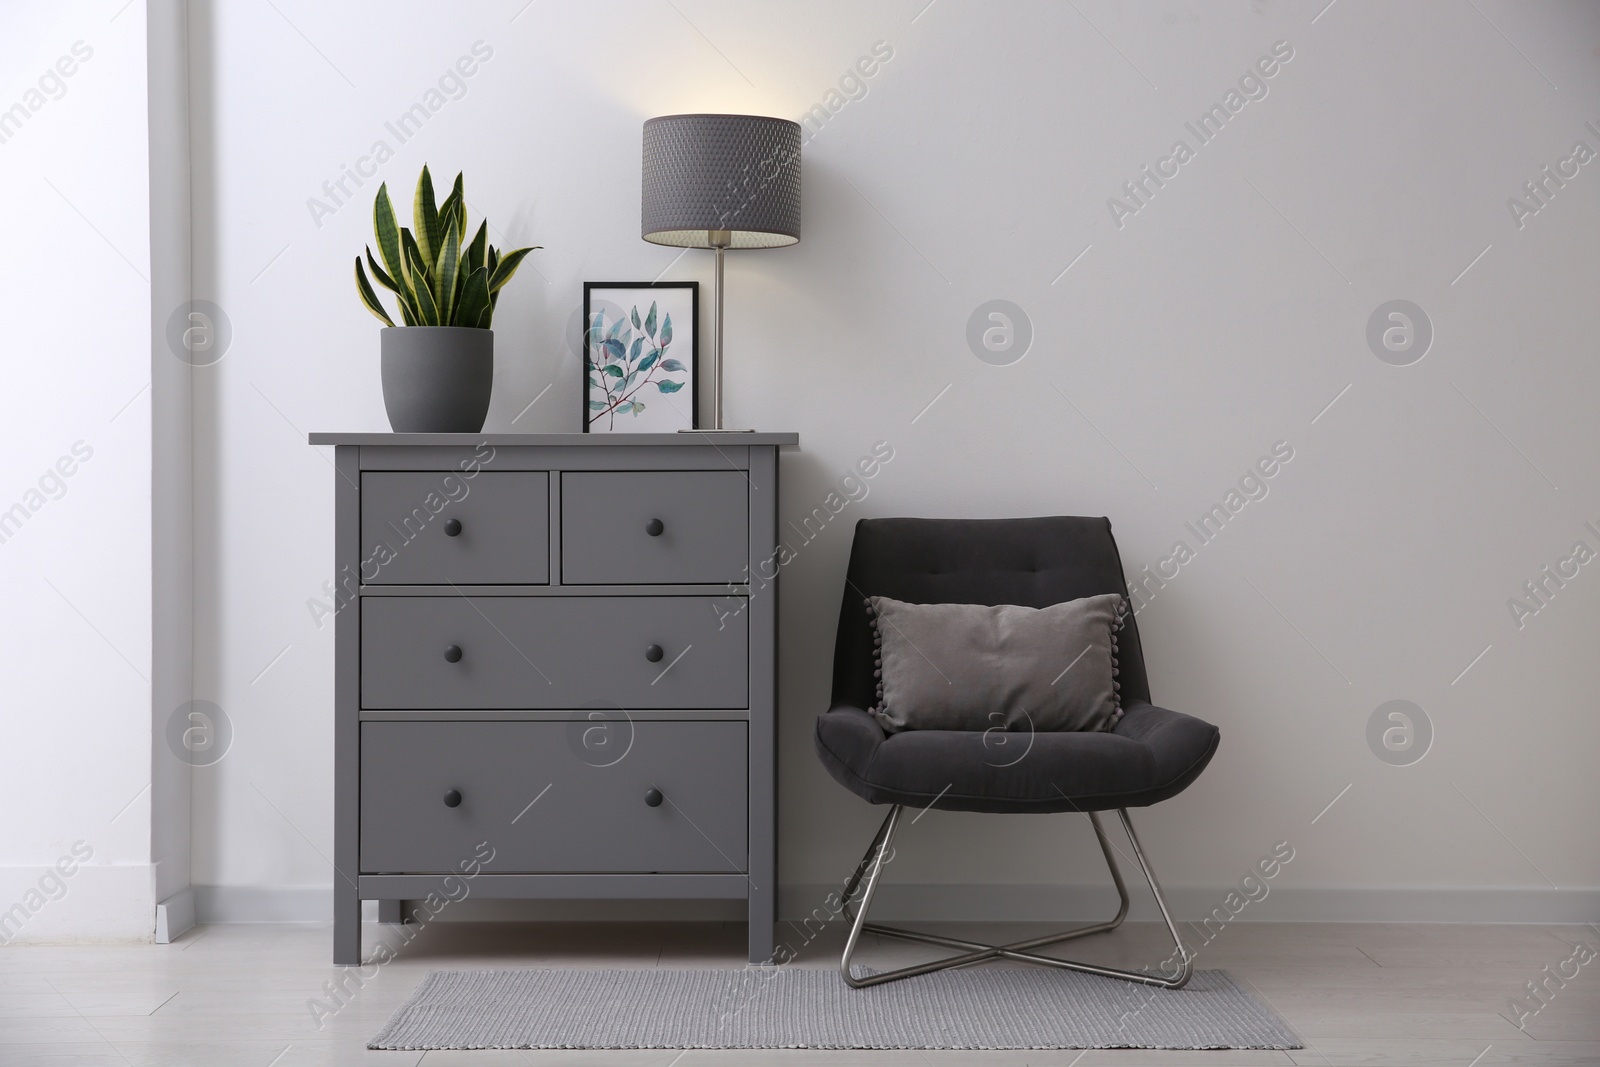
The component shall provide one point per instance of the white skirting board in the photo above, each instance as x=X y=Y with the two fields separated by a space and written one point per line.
x=980 y=903
x=174 y=916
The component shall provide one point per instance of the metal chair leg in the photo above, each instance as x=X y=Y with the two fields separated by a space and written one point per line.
x=880 y=849
x=866 y=861
x=872 y=866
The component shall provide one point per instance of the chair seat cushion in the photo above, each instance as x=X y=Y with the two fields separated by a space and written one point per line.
x=1150 y=755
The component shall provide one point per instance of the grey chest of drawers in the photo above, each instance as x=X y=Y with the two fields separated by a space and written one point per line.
x=555 y=670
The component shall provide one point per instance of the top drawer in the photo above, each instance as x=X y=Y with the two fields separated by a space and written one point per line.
x=440 y=527
x=654 y=527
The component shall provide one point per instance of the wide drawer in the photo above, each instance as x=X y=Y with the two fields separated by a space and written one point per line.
x=553 y=652
x=654 y=527
x=548 y=799
x=441 y=527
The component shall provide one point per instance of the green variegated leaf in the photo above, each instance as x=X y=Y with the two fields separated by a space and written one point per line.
x=445 y=276
x=474 y=256
x=410 y=254
x=666 y=331
x=427 y=307
x=597 y=405
x=379 y=274
x=368 y=297
x=507 y=267
x=473 y=309
x=404 y=295
x=386 y=228
x=671 y=365
x=650 y=360
x=669 y=387
x=425 y=217
x=613 y=370
x=447 y=222
x=633 y=352
x=451 y=211
x=461 y=208
x=650 y=320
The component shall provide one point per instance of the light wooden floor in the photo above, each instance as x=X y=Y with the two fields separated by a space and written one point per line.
x=1430 y=996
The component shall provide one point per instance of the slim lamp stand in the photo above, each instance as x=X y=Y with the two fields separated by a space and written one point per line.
x=718 y=240
x=721 y=245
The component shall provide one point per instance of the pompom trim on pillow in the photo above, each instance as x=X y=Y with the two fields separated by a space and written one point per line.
x=1116 y=665
x=877 y=656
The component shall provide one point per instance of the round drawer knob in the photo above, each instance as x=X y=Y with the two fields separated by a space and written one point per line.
x=654 y=527
x=452 y=799
x=654 y=797
x=654 y=653
x=452 y=654
x=452 y=528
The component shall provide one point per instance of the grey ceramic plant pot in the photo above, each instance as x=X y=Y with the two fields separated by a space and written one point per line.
x=437 y=379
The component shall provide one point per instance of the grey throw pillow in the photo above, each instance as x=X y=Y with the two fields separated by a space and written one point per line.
x=974 y=667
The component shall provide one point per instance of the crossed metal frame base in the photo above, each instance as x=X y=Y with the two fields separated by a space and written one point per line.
x=871 y=866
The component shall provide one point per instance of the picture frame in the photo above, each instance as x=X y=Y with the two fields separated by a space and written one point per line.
x=641 y=374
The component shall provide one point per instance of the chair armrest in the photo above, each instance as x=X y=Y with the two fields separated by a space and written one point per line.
x=847 y=736
x=1172 y=737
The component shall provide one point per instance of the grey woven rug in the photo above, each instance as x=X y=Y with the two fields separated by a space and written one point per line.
x=793 y=1007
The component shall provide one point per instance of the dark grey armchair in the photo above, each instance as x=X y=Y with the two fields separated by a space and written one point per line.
x=1150 y=755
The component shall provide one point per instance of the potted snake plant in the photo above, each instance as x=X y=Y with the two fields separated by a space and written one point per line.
x=438 y=366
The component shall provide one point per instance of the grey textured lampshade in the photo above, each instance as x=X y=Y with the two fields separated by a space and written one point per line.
x=733 y=173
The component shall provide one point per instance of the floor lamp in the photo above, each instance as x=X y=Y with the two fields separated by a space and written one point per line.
x=721 y=182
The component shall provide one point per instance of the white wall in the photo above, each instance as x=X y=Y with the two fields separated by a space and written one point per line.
x=1179 y=347
x=75 y=560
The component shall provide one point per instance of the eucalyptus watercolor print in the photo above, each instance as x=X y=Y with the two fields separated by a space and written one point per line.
x=639 y=362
